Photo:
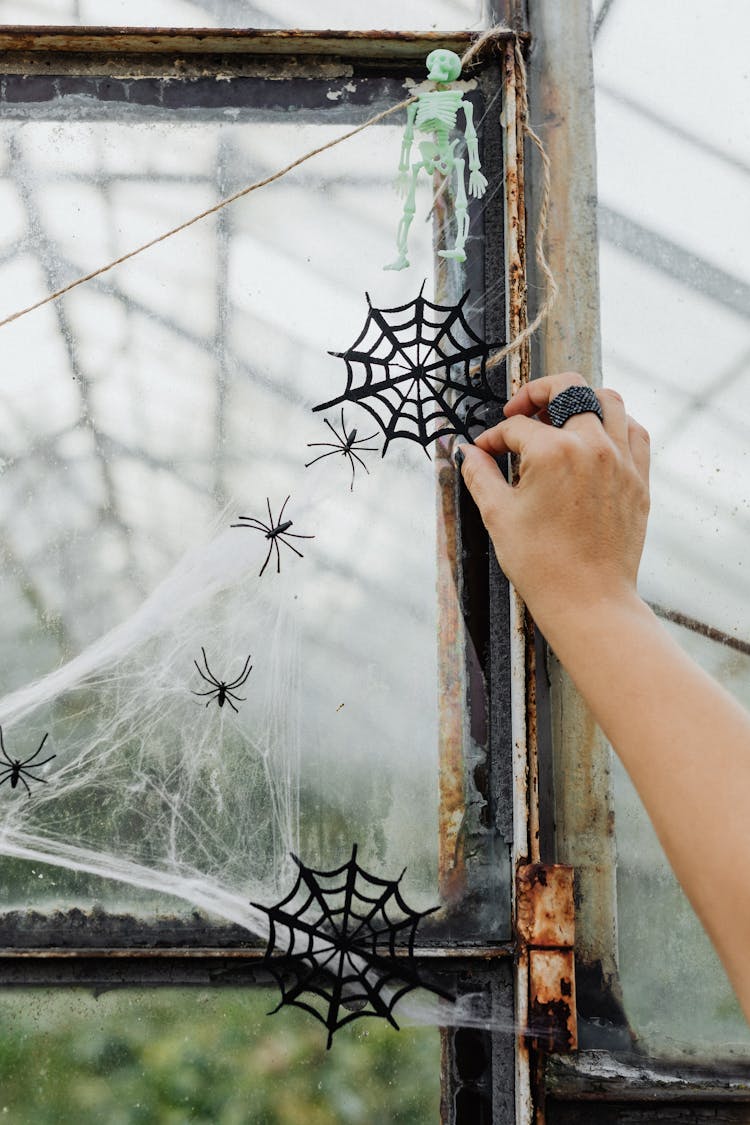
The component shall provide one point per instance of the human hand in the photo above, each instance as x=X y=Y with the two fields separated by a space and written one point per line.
x=570 y=532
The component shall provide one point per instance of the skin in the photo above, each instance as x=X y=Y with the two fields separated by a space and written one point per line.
x=569 y=536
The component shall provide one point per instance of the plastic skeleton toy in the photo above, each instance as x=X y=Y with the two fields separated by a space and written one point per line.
x=435 y=111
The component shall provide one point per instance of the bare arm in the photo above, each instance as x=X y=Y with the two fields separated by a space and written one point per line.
x=569 y=536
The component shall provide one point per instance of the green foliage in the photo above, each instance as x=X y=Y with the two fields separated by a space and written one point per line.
x=170 y=1057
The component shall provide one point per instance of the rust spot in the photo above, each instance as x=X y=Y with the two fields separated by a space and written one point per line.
x=545 y=911
x=552 y=1013
x=405 y=45
x=548 y=1027
x=451 y=859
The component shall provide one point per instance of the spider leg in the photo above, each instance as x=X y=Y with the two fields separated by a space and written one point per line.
x=328 y=444
x=213 y=691
x=270 y=517
x=351 y=461
x=356 y=458
x=242 y=676
x=250 y=522
x=294 y=535
x=38 y=765
x=333 y=430
x=208 y=679
x=2 y=746
x=292 y=548
x=233 y=695
x=229 y=701
x=38 y=750
x=281 y=513
x=8 y=775
x=278 y=555
x=265 y=564
x=23 y=779
x=322 y=455
x=34 y=777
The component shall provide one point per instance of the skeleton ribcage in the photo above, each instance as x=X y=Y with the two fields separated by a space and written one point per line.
x=438 y=110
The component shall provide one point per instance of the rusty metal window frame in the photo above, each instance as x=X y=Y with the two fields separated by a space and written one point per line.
x=108 y=951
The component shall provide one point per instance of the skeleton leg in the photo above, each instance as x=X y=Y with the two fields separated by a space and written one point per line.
x=410 y=206
x=458 y=254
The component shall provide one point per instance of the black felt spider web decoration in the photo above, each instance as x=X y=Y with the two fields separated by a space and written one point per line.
x=420 y=370
x=340 y=960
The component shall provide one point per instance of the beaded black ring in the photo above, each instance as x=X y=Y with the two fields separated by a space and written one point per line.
x=572 y=401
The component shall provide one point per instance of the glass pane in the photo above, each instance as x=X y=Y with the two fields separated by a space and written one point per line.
x=210 y=1056
x=142 y=418
x=677 y=995
x=675 y=300
x=421 y=15
x=154 y=424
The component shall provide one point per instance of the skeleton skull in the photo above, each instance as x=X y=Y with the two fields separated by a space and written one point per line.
x=443 y=65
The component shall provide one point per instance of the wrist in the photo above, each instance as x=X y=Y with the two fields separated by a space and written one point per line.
x=574 y=617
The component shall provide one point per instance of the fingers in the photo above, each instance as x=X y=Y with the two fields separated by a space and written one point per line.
x=486 y=483
x=535 y=395
x=615 y=418
x=511 y=436
x=640 y=448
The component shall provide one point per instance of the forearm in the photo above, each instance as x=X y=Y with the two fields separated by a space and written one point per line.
x=686 y=746
x=569 y=534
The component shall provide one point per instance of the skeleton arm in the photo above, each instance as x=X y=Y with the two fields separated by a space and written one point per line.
x=477 y=181
x=404 y=167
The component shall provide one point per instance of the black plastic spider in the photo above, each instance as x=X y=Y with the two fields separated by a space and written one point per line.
x=274 y=532
x=345 y=444
x=15 y=769
x=224 y=692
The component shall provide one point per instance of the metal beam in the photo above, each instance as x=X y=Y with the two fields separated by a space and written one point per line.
x=674 y=260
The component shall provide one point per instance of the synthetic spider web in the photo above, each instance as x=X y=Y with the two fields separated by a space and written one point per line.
x=342 y=945
x=421 y=376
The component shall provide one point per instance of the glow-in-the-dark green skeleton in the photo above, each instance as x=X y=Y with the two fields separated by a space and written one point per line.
x=435 y=111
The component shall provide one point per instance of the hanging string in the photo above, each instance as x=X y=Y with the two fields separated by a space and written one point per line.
x=470 y=53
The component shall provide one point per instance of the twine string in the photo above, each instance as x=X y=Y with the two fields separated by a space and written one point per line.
x=474 y=48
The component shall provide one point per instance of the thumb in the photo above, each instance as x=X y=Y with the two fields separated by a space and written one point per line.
x=488 y=487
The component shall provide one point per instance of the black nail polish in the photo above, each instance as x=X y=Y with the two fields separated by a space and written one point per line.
x=458 y=458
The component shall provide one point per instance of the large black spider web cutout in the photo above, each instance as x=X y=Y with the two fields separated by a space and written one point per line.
x=340 y=962
x=420 y=371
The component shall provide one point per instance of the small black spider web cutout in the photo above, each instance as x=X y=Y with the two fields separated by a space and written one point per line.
x=343 y=930
x=420 y=371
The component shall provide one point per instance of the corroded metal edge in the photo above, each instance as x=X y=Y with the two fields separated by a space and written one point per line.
x=561 y=95
x=545 y=919
x=545 y=910
x=601 y=1077
x=451 y=693
x=380 y=45
x=248 y=952
x=517 y=373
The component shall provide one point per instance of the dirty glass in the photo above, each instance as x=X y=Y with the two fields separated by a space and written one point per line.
x=157 y=431
x=421 y=15
x=675 y=301
x=142 y=417
x=204 y=1056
